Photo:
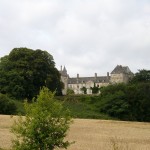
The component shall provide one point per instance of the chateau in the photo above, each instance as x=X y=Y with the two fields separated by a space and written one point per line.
x=120 y=74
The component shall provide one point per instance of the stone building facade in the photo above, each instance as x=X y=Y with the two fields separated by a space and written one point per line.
x=120 y=74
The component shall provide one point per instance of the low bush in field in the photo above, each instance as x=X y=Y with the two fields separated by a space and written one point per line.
x=7 y=105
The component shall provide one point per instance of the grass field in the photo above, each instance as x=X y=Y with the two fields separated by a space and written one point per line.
x=91 y=134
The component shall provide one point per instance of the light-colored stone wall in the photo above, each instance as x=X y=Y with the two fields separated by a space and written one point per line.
x=116 y=78
x=102 y=84
x=77 y=87
x=65 y=81
x=119 y=78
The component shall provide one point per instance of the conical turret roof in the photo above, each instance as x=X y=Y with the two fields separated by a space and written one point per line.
x=64 y=72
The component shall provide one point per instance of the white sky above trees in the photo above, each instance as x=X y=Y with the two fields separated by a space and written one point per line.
x=86 y=36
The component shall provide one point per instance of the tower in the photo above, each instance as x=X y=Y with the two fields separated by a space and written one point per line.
x=121 y=74
x=64 y=79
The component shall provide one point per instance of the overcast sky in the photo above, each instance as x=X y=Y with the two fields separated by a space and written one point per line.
x=87 y=36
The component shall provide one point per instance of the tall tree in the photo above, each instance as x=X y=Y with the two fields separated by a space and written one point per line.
x=141 y=76
x=24 y=71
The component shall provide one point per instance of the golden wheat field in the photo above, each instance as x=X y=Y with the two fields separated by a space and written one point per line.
x=91 y=134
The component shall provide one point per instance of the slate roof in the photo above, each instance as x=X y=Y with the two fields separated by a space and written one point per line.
x=101 y=79
x=121 y=69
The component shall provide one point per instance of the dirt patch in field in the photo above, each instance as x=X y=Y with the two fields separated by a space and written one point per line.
x=91 y=134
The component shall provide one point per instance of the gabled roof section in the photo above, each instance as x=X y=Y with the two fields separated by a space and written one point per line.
x=121 y=69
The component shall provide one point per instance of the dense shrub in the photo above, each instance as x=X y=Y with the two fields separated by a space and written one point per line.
x=126 y=102
x=70 y=92
x=7 y=105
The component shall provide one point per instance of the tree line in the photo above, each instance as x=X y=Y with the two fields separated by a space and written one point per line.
x=128 y=101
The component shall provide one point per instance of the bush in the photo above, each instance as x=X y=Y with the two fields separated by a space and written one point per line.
x=7 y=105
x=20 y=107
x=44 y=126
x=70 y=92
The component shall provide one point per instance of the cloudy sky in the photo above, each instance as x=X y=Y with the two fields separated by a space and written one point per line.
x=86 y=36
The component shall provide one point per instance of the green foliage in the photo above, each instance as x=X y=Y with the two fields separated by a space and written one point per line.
x=139 y=100
x=141 y=76
x=44 y=126
x=84 y=90
x=70 y=91
x=24 y=71
x=7 y=105
x=115 y=105
x=111 y=89
x=20 y=107
x=95 y=89
x=126 y=102
x=83 y=106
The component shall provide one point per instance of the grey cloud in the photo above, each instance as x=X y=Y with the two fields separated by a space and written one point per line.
x=86 y=36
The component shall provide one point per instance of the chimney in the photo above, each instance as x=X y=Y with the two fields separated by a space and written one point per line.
x=61 y=68
x=107 y=75
x=95 y=76
x=78 y=76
